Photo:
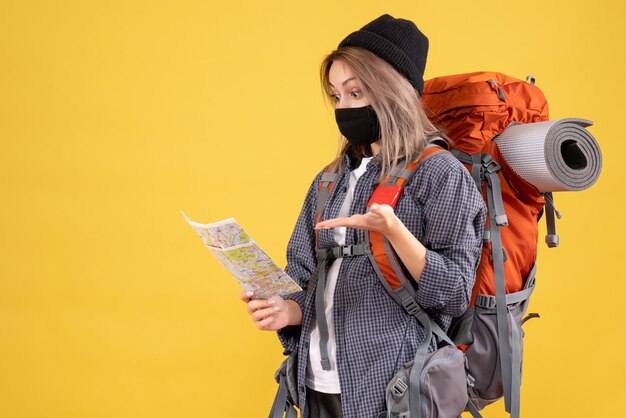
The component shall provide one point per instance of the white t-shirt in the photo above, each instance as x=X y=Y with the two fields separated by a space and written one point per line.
x=318 y=379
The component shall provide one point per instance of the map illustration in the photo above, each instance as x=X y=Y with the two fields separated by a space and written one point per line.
x=244 y=259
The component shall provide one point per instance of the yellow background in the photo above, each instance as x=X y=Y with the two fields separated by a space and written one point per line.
x=115 y=115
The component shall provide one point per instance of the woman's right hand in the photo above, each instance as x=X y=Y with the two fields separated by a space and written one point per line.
x=272 y=314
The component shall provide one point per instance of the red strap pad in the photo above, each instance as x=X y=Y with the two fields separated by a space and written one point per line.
x=386 y=195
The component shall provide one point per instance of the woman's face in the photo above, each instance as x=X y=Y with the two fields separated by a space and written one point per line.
x=345 y=87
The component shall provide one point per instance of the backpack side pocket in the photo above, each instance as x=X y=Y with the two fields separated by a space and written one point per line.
x=483 y=354
x=443 y=387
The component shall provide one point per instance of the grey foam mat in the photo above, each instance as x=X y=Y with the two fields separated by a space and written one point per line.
x=553 y=156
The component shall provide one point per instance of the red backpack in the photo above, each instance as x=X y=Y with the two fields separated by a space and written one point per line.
x=473 y=109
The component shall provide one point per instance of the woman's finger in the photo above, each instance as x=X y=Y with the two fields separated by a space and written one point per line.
x=261 y=314
x=246 y=295
x=333 y=223
x=383 y=210
x=255 y=305
x=354 y=221
x=366 y=221
x=266 y=324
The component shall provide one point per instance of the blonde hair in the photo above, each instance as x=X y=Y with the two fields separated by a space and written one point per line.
x=404 y=126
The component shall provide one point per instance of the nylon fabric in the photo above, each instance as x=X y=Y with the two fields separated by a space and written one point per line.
x=452 y=101
x=442 y=387
x=468 y=107
x=482 y=355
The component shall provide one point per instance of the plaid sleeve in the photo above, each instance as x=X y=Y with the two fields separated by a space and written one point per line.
x=454 y=221
x=301 y=260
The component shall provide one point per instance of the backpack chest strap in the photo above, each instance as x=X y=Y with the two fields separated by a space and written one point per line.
x=341 y=251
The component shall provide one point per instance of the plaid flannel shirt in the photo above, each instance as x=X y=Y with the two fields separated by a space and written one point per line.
x=375 y=337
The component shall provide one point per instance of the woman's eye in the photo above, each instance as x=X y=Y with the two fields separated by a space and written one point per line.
x=334 y=97
x=356 y=94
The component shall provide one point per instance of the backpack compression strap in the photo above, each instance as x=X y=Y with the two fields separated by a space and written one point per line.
x=485 y=168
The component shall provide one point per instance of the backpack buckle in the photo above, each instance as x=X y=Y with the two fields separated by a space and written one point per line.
x=411 y=306
x=504 y=256
x=399 y=387
x=469 y=378
x=489 y=164
x=485 y=301
x=342 y=251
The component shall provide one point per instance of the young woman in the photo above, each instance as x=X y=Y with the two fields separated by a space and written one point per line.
x=350 y=348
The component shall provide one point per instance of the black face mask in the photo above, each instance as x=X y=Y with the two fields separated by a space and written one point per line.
x=358 y=124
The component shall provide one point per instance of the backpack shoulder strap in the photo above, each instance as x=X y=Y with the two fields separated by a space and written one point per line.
x=391 y=275
x=383 y=257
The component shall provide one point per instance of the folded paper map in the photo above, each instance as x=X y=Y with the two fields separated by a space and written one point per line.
x=244 y=259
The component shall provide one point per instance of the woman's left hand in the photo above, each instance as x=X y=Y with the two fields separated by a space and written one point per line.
x=380 y=218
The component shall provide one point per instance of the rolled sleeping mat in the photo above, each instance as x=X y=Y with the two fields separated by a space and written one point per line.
x=553 y=156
